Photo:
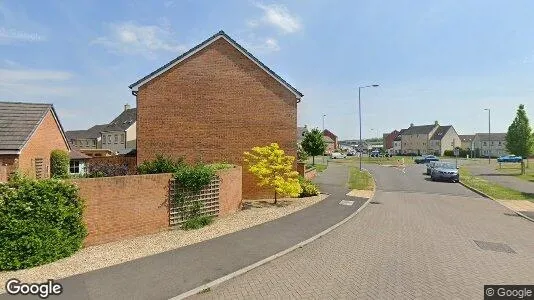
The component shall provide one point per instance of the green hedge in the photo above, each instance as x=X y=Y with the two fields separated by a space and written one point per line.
x=308 y=188
x=59 y=164
x=40 y=222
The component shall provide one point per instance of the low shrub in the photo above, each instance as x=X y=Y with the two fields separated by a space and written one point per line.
x=59 y=164
x=40 y=222
x=161 y=164
x=106 y=170
x=194 y=178
x=220 y=166
x=308 y=188
x=197 y=222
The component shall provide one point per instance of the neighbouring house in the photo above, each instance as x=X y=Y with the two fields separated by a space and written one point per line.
x=301 y=132
x=120 y=134
x=29 y=132
x=467 y=141
x=78 y=162
x=493 y=144
x=416 y=139
x=330 y=144
x=397 y=143
x=332 y=136
x=444 y=138
x=213 y=103
x=388 y=139
x=85 y=139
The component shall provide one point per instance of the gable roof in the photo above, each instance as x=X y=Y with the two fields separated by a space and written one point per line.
x=91 y=133
x=329 y=133
x=327 y=139
x=422 y=129
x=440 y=132
x=75 y=154
x=399 y=136
x=494 y=136
x=18 y=122
x=466 y=137
x=221 y=34
x=122 y=122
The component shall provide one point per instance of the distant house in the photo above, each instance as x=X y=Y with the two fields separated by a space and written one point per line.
x=78 y=162
x=467 y=141
x=29 y=132
x=85 y=139
x=493 y=144
x=444 y=138
x=330 y=144
x=331 y=136
x=416 y=139
x=301 y=132
x=212 y=103
x=397 y=143
x=388 y=139
x=120 y=134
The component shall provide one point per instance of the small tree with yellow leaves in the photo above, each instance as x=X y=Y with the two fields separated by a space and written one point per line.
x=274 y=169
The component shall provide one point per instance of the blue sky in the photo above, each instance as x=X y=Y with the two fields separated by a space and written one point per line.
x=434 y=60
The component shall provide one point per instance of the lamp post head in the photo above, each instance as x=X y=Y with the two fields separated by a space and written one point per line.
x=375 y=85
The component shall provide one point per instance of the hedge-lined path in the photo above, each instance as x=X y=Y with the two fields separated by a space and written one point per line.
x=171 y=273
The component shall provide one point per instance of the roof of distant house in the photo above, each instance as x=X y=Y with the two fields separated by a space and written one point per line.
x=18 y=122
x=327 y=139
x=326 y=131
x=440 y=132
x=466 y=137
x=421 y=129
x=207 y=42
x=494 y=136
x=399 y=136
x=91 y=133
x=122 y=122
x=75 y=154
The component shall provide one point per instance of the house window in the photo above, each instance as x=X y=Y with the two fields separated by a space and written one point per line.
x=116 y=138
x=109 y=139
x=74 y=167
x=485 y=144
x=122 y=138
x=86 y=143
x=500 y=144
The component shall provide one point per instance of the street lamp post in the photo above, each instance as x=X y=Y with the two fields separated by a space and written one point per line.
x=489 y=134
x=323 y=121
x=360 y=116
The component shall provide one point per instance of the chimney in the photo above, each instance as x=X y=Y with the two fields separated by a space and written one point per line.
x=436 y=123
x=411 y=124
x=126 y=107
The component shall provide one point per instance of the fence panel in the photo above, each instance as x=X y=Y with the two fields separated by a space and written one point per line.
x=208 y=197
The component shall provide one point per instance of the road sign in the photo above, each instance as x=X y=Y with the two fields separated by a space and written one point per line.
x=456 y=151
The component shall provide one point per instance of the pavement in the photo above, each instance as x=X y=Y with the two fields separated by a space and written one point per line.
x=171 y=273
x=489 y=173
x=418 y=240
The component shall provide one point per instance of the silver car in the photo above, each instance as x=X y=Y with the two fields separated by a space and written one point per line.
x=446 y=171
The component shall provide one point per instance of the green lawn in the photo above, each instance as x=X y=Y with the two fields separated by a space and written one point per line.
x=379 y=160
x=491 y=189
x=515 y=169
x=360 y=180
x=318 y=167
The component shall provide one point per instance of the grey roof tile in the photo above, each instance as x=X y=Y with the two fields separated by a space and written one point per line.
x=440 y=132
x=18 y=121
x=122 y=122
x=422 y=129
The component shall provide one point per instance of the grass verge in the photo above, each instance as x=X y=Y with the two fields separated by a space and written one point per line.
x=318 y=167
x=492 y=189
x=360 y=180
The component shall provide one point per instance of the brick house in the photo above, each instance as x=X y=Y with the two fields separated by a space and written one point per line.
x=388 y=139
x=494 y=145
x=416 y=139
x=29 y=133
x=332 y=137
x=213 y=103
x=467 y=141
x=120 y=134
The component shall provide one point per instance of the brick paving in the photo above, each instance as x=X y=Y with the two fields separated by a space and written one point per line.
x=412 y=245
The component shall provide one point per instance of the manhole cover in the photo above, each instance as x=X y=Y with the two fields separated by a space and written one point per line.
x=497 y=247
x=346 y=202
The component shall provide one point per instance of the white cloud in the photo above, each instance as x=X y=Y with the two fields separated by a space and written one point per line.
x=23 y=83
x=279 y=16
x=11 y=36
x=168 y=3
x=263 y=45
x=135 y=39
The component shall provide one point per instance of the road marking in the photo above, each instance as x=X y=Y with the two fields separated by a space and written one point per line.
x=346 y=202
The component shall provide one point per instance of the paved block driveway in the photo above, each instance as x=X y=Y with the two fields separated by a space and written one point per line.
x=417 y=242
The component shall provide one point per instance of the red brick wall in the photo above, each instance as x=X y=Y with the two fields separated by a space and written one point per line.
x=388 y=139
x=124 y=206
x=8 y=164
x=46 y=138
x=230 y=193
x=214 y=106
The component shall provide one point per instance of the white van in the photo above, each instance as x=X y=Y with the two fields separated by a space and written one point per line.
x=335 y=155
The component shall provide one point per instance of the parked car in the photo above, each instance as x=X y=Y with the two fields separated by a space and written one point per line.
x=445 y=171
x=431 y=165
x=425 y=159
x=351 y=153
x=337 y=155
x=509 y=158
